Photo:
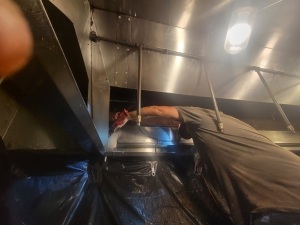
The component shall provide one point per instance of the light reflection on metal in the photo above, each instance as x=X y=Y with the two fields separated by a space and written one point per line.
x=275 y=3
x=134 y=139
x=287 y=122
x=177 y=64
x=220 y=124
x=186 y=16
x=273 y=40
x=249 y=81
x=264 y=57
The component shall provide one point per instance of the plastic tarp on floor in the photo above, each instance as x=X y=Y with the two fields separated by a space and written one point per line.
x=46 y=189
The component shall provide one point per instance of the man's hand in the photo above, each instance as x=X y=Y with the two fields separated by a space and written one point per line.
x=120 y=119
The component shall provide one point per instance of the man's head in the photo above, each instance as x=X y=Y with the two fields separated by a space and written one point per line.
x=183 y=132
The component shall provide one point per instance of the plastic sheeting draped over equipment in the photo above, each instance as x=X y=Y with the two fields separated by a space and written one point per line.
x=66 y=190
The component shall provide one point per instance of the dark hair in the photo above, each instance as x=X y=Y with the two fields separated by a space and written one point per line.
x=183 y=131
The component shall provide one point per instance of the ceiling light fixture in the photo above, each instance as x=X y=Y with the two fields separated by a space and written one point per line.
x=239 y=30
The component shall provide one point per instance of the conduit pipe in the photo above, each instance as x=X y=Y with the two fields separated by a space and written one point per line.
x=285 y=119
x=139 y=88
x=220 y=123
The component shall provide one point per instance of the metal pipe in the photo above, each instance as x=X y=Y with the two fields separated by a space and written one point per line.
x=139 y=88
x=287 y=122
x=220 y=123
x=95 y=38
x=255 y=68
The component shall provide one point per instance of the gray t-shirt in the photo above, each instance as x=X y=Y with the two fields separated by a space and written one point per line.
x=246 y=172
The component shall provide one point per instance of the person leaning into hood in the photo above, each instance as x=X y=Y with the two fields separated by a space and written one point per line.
x=249 y=176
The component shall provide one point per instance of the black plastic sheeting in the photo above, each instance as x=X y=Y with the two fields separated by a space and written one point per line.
x=39 y=188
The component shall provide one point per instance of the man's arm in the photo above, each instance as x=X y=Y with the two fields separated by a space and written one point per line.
x=168 y=112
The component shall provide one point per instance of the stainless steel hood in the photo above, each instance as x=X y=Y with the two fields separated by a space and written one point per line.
x=198 y=28
x=183 y=40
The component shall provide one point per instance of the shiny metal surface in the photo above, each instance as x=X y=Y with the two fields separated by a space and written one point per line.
x=133 y=140
x=285 y=139
x=188 y=14
x=79 y=13
x=51 y=57
x=282 y=137
x=8 y=111
x=99 y=95
x=285 y=119
x=23 y=127
x=201 y=34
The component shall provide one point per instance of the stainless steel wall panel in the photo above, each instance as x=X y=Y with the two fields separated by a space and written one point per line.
x=272 y=46
x=175 y=74
x=120 y=64
x=138 y=31
x=100 y=95
x=50 y=55
x=132 y=60
x=108 y=51
x=188 y=14
x=106 y=23
x=166 y=37
x=124 y=28
x=79 y=13
x=30 y=131
x=172 y=74
x=23 y=126
x=8 y=110
x=122 y=67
